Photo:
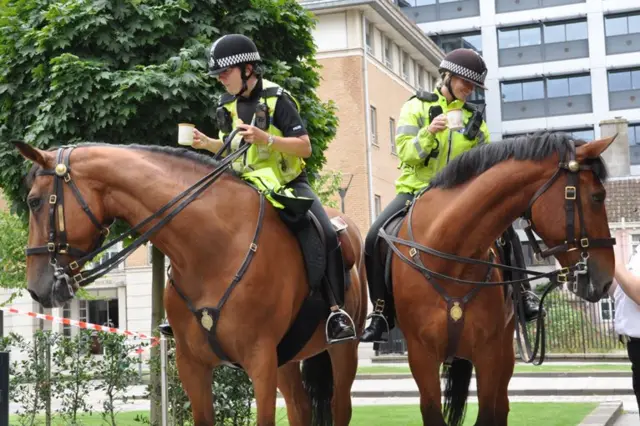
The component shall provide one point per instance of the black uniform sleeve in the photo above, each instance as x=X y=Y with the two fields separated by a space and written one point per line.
x=287 y=119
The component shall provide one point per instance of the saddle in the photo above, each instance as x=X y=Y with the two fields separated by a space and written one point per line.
x=298 y=217
x=311 y=239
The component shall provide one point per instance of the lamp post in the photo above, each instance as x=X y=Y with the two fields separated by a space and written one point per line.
x=343 y=190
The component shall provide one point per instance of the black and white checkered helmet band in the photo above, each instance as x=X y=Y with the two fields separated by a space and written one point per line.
x=463 y=71
x=229 y=61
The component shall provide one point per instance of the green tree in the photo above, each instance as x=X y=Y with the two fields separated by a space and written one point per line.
x=123 y=71
x=13 y=239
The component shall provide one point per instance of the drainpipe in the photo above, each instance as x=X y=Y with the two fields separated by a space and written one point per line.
x=365 y=79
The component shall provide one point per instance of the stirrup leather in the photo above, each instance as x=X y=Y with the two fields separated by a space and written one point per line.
x=326 y=327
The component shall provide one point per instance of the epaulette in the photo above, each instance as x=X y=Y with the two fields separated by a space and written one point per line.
x=270 y=92
x=425 y=96
x=226 y=98
x=470 y=107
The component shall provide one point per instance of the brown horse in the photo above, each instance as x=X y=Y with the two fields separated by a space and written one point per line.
x=556 y=183
x=72 y=195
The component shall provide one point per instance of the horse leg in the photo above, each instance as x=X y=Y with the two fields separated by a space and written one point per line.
x=425 y=368
x=486 y=361
x=344 y=365
x=508 y=363
x=263 y=371
x=196 y=379
x=295 y=396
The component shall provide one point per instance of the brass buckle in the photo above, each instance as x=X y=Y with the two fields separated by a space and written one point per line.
x=67 y=178
x=51 y=247
x=53 y=198
x=413 y=252
x=74 y=265
x=570 y=192
x=584 y=242
x=64 y=249
x=253 y=247
x=562 y=278
x=76 y=279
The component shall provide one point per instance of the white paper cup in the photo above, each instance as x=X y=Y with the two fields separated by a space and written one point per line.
x=185 y=134
x=454 y=119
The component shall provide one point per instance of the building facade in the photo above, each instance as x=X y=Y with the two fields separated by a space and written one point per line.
x=373 y=59
x=553 y=64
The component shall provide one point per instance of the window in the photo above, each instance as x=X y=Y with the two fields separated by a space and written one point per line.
x=553 y=96
x=377 y=205
x=568 y=86
x=564 y=32
x=392 y=134
x=583 y=134
x=405 y=66
x=635 y=242
x=522 y=91
x=374 y=125
x=624 y=89
x=519 y=37
x=634 y=150
x=369 y=37
x=104 y=256
x=624 y=80
x=420 y=78
x=607 y=309
x=622 y=25
x=449 y=42
x=388 y=59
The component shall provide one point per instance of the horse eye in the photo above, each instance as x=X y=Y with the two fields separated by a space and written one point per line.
x=599 y=197
x=35 y=203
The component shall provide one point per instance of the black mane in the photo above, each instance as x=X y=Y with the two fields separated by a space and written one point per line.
x=536 y=147
x=173 y=151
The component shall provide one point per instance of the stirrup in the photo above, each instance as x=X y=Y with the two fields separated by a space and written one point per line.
x=386 y=324
x=339 y=312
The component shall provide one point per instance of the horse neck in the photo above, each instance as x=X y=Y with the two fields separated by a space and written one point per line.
x=138 y=183
x=468 y=219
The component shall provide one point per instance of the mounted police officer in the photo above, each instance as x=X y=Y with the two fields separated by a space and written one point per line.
x=269 y=118
x=425 y=146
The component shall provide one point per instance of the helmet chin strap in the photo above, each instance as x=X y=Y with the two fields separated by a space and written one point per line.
x=245 y=78
x=447 y=83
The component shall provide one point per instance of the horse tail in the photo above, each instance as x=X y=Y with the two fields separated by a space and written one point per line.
x=456 y=392
x=317 y=379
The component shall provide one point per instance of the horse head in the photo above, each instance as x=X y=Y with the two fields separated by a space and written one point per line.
x=568 y=213
x=55 y=252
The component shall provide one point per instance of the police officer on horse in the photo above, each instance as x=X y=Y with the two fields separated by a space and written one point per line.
x=425 y=145
x=269 y=118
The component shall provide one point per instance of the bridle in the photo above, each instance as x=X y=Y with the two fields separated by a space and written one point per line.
x=571 y=202
x=57 y=243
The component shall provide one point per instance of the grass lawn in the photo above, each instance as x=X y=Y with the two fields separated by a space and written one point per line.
x=522 y=414
x=520 y=368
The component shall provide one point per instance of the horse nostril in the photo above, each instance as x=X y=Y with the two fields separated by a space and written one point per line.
x=34 y=296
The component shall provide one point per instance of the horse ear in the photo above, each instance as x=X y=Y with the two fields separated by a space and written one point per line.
x=31 y=153
x=594 y=149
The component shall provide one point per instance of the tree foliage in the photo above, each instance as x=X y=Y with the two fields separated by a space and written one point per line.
x=123 y=71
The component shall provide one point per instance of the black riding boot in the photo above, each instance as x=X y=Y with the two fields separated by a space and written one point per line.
x=165 y=329
x=340 y=326
x=378 y=330
x=531 y=303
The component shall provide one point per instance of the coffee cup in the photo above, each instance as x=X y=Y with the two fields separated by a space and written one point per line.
x=185 y=134
x=454 y=119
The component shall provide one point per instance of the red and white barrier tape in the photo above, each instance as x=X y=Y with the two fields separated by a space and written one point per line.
x=86 y=325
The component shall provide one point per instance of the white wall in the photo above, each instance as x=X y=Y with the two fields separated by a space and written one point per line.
x=597 y=62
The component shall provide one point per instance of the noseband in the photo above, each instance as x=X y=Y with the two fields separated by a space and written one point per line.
x=57 y=243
